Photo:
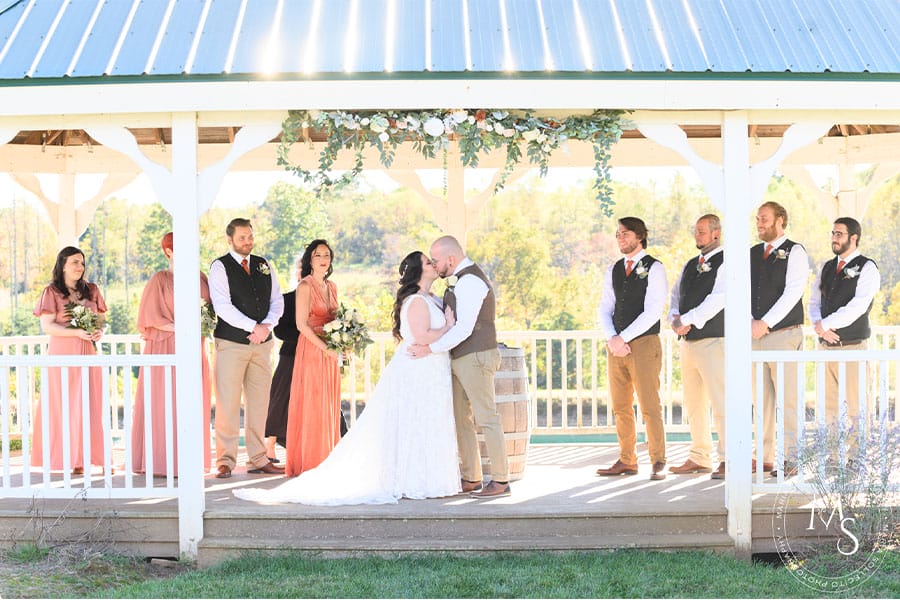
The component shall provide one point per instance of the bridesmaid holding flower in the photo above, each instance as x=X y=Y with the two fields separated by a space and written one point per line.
x=59 y=302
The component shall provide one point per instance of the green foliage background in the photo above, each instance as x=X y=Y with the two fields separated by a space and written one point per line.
x=545 y=249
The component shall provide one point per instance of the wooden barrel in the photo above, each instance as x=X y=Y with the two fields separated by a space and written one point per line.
x=513 y=404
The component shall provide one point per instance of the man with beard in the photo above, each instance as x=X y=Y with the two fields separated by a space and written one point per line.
x=634 y=293
x=697 y=315
x=248 y=303
x=778 y=275
x=839 y=306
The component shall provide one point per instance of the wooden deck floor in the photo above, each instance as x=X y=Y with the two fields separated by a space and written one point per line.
x=559 y=504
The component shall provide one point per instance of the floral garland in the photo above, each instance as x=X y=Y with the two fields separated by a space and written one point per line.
x=430 y=132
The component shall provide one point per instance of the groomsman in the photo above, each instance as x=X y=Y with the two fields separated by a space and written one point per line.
x=248 y=303
x=697 y=315
x=778 y=275
x=634 y=293
x=839 y=306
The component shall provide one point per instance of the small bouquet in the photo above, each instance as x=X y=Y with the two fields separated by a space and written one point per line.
x=207 y=319
x=81 y=317
x=346 y=333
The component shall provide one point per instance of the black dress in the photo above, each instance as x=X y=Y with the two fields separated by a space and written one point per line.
x=280 y=393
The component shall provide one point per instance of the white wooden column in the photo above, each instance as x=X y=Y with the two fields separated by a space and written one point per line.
x=185 y=211
x=736 y=205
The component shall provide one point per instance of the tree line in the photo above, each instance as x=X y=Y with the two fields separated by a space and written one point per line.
x=545 y=249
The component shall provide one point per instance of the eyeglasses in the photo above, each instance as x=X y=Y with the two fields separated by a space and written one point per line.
x=838 y=234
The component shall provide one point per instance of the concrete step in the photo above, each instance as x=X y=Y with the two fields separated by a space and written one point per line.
x=215 y=550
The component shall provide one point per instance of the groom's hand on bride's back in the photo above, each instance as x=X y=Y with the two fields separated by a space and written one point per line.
x=418 y=350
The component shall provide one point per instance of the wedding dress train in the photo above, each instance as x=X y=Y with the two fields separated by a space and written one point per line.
x=402 y=446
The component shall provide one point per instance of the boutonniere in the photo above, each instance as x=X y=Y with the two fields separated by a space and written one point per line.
x=781 y=254
x=264 y=268
x=703 y=267
x=641 y=270
x=451 y=282
x=851 y=272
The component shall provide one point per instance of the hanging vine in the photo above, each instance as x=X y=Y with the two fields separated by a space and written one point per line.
x=430 y=132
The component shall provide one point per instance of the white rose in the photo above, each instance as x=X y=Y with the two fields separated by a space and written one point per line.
x=509 y=132
x=383 y=136
x=364 y=121
x=459 y=116
x=434 y=127
x=498 y=128
x=470 y=119
x=530 y=135
x=412 y=122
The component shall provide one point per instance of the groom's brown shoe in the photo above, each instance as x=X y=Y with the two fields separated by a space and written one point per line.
x=493 y=490
x=470 y=486
x=618 y=468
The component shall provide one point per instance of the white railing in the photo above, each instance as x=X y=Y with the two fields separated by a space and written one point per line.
x=878 y=379
x=572 y=400
x=24 y=383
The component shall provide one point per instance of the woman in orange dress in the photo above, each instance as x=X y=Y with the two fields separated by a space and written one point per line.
x=314 y=408
x=69 y=287
x=156 y=322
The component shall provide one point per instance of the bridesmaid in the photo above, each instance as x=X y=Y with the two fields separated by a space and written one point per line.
x=69 y=286
x=312 y=427
x=156 y=322
x=279 y=397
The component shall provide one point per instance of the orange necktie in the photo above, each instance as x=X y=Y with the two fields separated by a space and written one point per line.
x=702 y=260
x=840 y=266
x=246 y=266
x=628 y=265
x=767 y=252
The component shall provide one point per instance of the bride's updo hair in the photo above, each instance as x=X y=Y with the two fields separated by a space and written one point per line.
x=410 y=274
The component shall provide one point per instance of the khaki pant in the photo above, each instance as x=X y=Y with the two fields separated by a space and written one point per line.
x=783 y=339
x=241 y=368
x=638 y=372
x=703 y=379
x=851 y=385
x=474 y=404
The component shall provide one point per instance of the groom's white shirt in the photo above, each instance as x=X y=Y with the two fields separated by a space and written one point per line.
x=470 y=293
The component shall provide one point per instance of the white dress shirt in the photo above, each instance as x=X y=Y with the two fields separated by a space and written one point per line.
x=868 y=285
x=794 y=284
x=220 y=295
x=711 y=305
x=470 y=292
x=654 y=301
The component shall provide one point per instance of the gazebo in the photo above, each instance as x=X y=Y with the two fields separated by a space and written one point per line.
x=185 y=90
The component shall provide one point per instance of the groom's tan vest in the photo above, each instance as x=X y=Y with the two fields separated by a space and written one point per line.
x=484 y=335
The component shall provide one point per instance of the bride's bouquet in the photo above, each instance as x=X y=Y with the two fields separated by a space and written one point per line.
x=207 y=319
x=346 y=334
x=81 y=317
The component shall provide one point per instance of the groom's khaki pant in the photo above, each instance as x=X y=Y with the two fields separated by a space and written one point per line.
x=474 y=404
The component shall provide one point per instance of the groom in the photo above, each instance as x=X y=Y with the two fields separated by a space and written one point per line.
x=472 y=343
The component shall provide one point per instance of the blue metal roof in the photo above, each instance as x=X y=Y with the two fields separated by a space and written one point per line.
x=53 y=39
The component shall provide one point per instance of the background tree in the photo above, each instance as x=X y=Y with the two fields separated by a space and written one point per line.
x=288 y=219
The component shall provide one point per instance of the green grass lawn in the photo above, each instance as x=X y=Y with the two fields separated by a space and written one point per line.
x=620 y=574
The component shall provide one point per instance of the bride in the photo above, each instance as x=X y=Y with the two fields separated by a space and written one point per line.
x=404 y=444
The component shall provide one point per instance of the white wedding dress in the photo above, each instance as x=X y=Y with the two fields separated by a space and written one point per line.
x=402 y=446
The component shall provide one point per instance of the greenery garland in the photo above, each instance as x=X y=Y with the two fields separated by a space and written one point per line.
x=430 y=132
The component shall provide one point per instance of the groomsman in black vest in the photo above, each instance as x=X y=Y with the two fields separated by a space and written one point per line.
x=839 y=306
x=248 y=302
x=634 y=294
x=474 y=358
x=697 y=315
x=778 y=274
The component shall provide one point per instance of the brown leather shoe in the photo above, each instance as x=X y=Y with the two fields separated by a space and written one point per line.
x=719 y=473
x=493 y=490
x=470 y=486
x=268 y=469
x=658 y=473
x=618 y=468
x=224 y=472
x=766 y=466
x=688 y=467
x=78 y=471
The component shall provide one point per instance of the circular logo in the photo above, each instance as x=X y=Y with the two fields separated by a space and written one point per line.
x=829 y=530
